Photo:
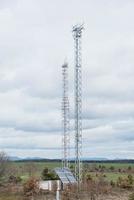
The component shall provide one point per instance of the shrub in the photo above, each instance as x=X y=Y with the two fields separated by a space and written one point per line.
x=125 y=182
x=112 y=183
x=131 y=197
x=48 y=175
x=4 y=162
x=104 y=175
x=31 y=187
x=89 y=177
x=130 y=179
x=14 y=179
x=129 y=168
x=112 y=168
x=103 y=167
x=72 y=167
x=119 y=170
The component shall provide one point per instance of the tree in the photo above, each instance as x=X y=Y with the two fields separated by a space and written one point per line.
x=48 y=175
x=4 y=161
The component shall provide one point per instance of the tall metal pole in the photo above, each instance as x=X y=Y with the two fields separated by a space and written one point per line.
x=77 y=33
x=65 y=118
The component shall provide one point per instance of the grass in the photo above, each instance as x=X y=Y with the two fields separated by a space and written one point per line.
x=6 y=196
x=110 y=176
x=22 y=171
x=114 y=176
x=115 y=165
x=39 y=166
x=52 y=165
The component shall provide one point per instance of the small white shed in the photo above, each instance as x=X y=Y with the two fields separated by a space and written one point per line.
x=50 y=185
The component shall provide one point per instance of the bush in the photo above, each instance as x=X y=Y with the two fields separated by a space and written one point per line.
x=125 y=183
x=89 y=177
x=4 y=162
x=130 y=179
x=48 y=175
x=119 y=170
x=129 y=168
x=14 y=179
x=112 y=168
x=131 y=197
x=72 y=168
x=31 y=187
x=112 y=183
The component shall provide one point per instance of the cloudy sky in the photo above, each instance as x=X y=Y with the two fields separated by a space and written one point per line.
x=35 y=39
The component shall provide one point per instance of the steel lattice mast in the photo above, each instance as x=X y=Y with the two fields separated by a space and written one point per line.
x=77 y=33
x=65 y=118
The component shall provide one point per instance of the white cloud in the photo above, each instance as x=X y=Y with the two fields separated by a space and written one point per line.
x=35 y=39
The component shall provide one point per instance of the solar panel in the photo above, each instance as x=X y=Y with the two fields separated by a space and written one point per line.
x=62 y=176
x=65 y=175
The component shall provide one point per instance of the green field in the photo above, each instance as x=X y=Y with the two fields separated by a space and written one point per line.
x=39 y=165
x=52 y=165
x=108 y=173
x=115 y=165
x=6 y=196
x=110 y=176
x=23 y=168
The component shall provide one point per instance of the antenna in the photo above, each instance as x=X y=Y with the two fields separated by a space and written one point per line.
x=77 y=34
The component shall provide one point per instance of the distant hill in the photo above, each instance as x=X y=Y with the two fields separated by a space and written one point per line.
x=94 y=159
x=14 y=158
x=85 y=159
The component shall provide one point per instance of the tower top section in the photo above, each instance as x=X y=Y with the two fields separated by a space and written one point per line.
x=77 y=30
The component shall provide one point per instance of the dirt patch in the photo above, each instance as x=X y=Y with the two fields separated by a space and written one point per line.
x=117 y=196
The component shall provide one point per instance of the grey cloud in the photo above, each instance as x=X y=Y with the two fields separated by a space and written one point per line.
x=35 y=39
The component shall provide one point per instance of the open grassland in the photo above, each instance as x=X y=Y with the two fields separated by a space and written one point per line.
x=109 y=176
x=26 y=169
x=115 y=165
x=115 y=196
x=111 y=181
x=40 y=165
x=52 y=165
x=110 y=171
x=10 y=196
